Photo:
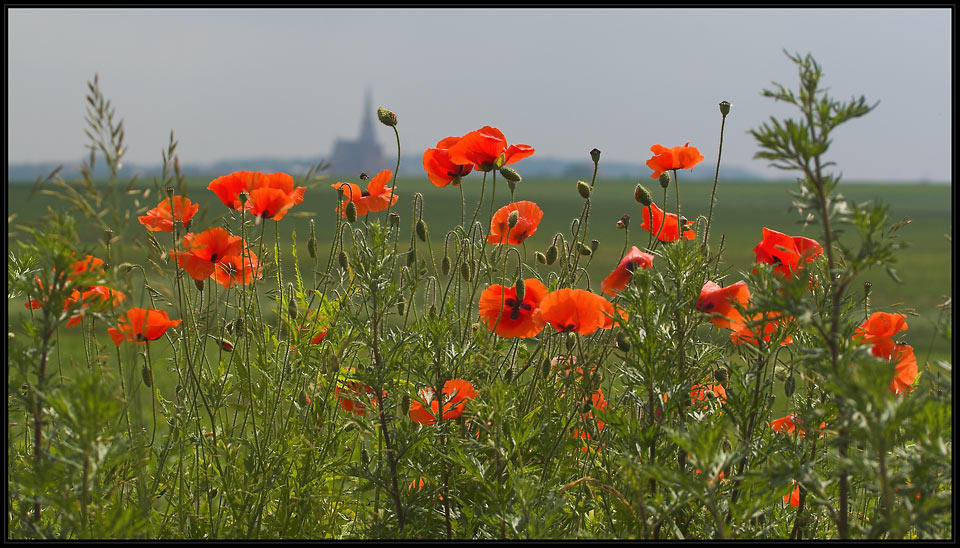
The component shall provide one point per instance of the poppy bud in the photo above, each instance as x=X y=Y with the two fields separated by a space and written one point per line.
x=584 y=250
x=545 y=368
x=508 y=375
x=411 y=256
x=789 y=385
x=724 y=108
x=400 y=306
x=722 y=375
x=595 y=155
x=351 y=212
x=594 y=244
x=867 y=287
x=107 y=235
x=513 y=218
x=147 y=376
x=584 y=189
x=312 y=247
x=541 y=258
x=571 y=340
x=510 y=174
x=126 y=267
x=624 y=222
x=433 y=310
x=445 y=265
x=642 y=195
x=199 y=284
x=302 y=399
x=387 y=117
x=552 y=254
x=465 y=271
x=520 y=288
x=226 y=345
x=394 y=219
x=664 y=179
x=292 y=309
x=342 y=260
x=622 y=342
x=421 y=229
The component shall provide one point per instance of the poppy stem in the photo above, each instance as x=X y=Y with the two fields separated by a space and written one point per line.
x=396 y=172
x=716 y=176
x=676 y=186
x=483 y=185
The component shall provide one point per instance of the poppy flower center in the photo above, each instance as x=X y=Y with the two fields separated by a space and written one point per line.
x=141 y=337
x=213 y=257
x=631 y=266
x=515 y=308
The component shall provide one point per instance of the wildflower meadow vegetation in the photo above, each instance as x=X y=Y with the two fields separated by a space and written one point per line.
x=230 y=383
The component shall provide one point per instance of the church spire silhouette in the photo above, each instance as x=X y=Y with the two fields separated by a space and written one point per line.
x=350 y=158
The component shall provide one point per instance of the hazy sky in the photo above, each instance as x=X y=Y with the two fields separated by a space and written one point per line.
x=288 y=82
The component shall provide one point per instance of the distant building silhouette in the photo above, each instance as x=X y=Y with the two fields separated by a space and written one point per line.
x=350 y=158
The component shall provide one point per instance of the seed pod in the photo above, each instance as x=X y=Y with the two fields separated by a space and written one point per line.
x=394 y=219
x=867 y=287
x=724 y=108
x=594 y=244
x=520 y=288
x=445 y=265
x=789 y=386
x=722 y=375
x=595 y=155
x=622 y=342
x=552 y=254
x=584 y=250
x=351 y=212
x=584 y=189
x=465 y=271
x=541 y=258
x=342 y=260
x=421 y=229
x=147 y=375
x=642 y=195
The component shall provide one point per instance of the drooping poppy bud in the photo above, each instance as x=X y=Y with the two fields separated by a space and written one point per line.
x=351 y=211
x=585 y=250
x=510 y=174
x=342 y=260
x=584 y=189
x=552 y=254
x=642 y=195
x=445 y=265
x=387 y=117
x=421 y=229
x=519 y=287
x=541 y=258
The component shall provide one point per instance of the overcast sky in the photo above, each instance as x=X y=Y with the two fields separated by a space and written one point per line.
x=288 y=82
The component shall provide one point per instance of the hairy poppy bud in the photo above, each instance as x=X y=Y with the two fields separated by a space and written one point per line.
x=724 y=108
x=351 y=212
x=411 y=256
x=342 y=260
x=789 y=386
x=147 y=376
x=622 y=342
x=544 y=368
x=595 y=155
x=541 y=258
x=445 y=265
x=520 y=288
x=624 y=222
x=400 y=306
x=584 y=250
x=465 y=271
x=433 y=310
x=226 y=345
x=513 y=218
x=867 y=287
x=394 y=219
x=664 y=179
x=387 y=117
x=571 y=340
x=292 y=308
x=594 y=244
x=552 y=254
x=584 y=189
x=421 y=229
x=642 y=195
x=510 y=174
x=312 y=247
x=722 y=375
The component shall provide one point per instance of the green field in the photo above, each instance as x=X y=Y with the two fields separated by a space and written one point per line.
x=741 y=210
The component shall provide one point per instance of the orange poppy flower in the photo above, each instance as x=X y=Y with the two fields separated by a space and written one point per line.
x=575 y=310
x=349 y=396
x=719 y=303
x=793 y=499
x=598 y=402
x=242 y=269
x=879 y=330
x=508 y=317
x=786 y=252
x=715 y=478
x=618 y=279
x=229 y=187
x=377 y=197
x=699 y=392
x=784 y=424
x=610 y=312
x=413 y=483
x=906 y=369
x=204 y=251
x=455 y=394
x=141 y=325
x=748 y=334
x=530 y=216
x=89 y=263
x=161 y=218
x=271 y=195
x=440 y=170
x=486 y=148
x=96 y=295
x=665 y=159
x=665 y=227
x=34 y=304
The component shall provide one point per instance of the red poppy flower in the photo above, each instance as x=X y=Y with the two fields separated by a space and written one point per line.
x=377 y=197
x=530 y=216
x=271 y=195
x=508 y=317
x=618 y=279
x=350 y=394
x=784 y=424
x=715 y=478
x=748 y=333
x=455 y=394
x=440 y=170
x=700 y=392
x=161 y=218
x=204 y=251
x=906 y=369
x=610 y=312
x=34 y=304
x=240 y=269
x=879 y=330
x=665 y=159
x=719 y=302
x=96 y=295
x=598 y=402
x=793 y=499
x=486 y=148
x=666 y=227
x=413 y=483
x=90 y=264
x=229 y=187
x=141 y=325
x=575 y=310
x=787 y=253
